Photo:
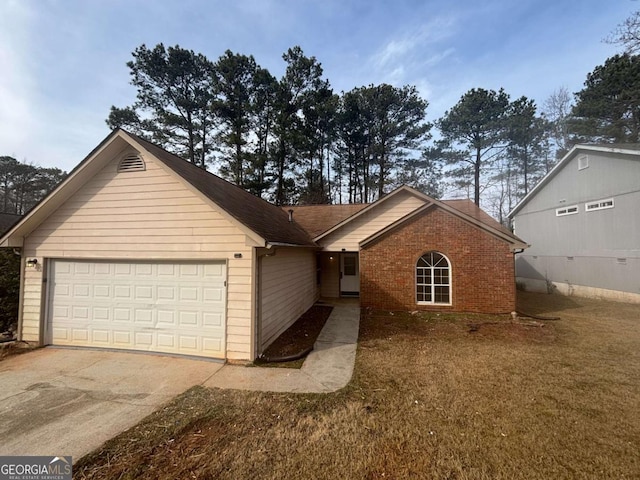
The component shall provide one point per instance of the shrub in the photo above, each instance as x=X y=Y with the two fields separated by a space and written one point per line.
x=9 y=290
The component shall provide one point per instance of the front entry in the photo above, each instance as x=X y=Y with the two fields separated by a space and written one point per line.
x=349 y=275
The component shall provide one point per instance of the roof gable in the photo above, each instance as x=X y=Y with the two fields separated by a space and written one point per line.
x=317 y=219
x=262 y=217
x=322 y=220
x=267 y=221
x=372 y=206
x=464 y=209
x=631 y=149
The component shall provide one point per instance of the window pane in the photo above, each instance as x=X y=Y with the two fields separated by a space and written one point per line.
x=349 y=265
x=441 y=294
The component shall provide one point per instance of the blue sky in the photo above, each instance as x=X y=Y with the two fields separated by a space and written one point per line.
x=63 y=62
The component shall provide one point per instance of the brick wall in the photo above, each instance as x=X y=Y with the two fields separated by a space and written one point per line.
x=481 y=266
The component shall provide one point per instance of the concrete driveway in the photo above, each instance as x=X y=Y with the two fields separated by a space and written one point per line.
x=57 y=401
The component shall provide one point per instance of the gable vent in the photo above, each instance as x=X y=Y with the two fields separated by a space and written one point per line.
x=131 y=163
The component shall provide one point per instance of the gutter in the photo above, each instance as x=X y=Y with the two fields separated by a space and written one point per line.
x=270 y=245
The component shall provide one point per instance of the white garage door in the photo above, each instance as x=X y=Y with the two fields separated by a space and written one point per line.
x=157 y=307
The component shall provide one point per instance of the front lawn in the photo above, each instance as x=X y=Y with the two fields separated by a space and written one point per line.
x=433 y=396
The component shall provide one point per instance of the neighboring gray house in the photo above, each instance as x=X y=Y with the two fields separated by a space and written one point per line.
x=583 y=223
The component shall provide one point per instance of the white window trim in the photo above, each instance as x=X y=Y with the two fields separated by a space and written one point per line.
x=598 y=205
x=562 y=211
x=437 y=304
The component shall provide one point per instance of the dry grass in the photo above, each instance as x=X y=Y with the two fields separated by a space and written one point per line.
x=433 y=396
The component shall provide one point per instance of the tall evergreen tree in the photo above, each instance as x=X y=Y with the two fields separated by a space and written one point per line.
x=23 y=185
x=476 y=123
x=381 y=127
x=608 y=107
x=174 y=101
x=526 y=134
x=258 y=178
x=234 y=107
x=318 y=125
x=303 y=75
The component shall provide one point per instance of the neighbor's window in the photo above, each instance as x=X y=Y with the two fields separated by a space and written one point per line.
x=566 y=210
x=433 y=279
x=599 y=205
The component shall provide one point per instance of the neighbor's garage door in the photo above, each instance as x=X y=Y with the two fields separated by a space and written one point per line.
x=157 y=307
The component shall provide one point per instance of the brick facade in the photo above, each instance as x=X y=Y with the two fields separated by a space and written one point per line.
x=481 y=266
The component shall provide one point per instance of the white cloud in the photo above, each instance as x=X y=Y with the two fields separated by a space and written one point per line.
x=407 y=57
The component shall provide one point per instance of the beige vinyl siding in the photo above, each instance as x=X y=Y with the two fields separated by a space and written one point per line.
x=349 y=236
x=143 y=215
x=289 y=289
x=329 y=275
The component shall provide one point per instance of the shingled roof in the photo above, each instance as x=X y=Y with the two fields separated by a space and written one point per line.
x=467 y=207
x=317 y=219
x=262 y=217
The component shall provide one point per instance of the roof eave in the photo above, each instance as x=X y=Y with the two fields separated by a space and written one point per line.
x=371 y=206
x=34 y=217
x=292 y=245
x=255 y=237
x=396 y=224
x=560 y=165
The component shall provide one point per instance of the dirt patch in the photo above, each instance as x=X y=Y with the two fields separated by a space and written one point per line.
x=11 y=349
x=506 y=401
x=299 y=337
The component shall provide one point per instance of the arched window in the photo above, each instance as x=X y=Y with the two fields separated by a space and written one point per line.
x=433 y=279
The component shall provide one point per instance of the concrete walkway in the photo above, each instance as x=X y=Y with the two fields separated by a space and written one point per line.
x=327 y=368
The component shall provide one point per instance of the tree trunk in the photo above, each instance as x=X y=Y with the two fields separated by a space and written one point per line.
x=282 y=155
x=476 y=177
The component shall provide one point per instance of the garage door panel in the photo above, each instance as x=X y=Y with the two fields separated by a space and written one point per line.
x=80 y=269
x=80 y=335
x=211 y=344
x=172 y=308
x=122 y=292
x=101 y=337
x=188 y=319
x=166 y=341
x=143 y=316
x=189 y=293
x=212 y=319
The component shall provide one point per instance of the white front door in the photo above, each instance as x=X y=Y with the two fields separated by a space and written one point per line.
x=151 y=306
x=349 y=274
